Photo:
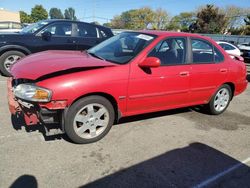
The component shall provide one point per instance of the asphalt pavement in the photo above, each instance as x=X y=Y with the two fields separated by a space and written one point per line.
x=176 y=148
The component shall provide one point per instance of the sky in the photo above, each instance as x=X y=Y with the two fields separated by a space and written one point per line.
x=104 y=10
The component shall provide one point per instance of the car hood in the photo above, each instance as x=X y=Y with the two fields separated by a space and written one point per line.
x=49 y=62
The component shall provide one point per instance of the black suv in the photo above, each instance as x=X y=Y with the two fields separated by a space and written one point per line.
x=49 y=35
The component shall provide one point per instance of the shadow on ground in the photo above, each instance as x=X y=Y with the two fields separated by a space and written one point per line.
x=196 y=165
x=28 y=181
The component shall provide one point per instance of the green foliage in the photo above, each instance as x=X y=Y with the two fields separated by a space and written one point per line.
x=234 y=16
x=25 y=18
x=107 y=25
x=38 y=13
x=160 y=19
x=70 y=14
x=246 y=30
x=182 y=21
x=236 y=31
x=247 y=27
x=56 y=13
x=210 y=20
x=140 y=19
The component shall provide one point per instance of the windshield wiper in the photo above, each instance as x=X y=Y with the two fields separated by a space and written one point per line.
x=94 y=55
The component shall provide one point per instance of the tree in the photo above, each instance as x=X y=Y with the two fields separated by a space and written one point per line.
x=117 y=22
x=160 y=19
x=70 y=14
x=56 y=13
x=25 y=18
x=108 y=24
x=209 y=20
x=247 y=27
x=145 y=17
x=182 y=21
x=234 y=16
x=134 y=19
x=38 y=13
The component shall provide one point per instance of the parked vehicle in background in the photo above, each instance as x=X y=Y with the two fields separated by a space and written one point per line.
x=10 y=27
x=49 y=35
x=229 y=48
x=128 y=74
x=245 y=49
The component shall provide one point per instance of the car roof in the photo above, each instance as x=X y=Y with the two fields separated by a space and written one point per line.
x=171 y=33
x=74 y=21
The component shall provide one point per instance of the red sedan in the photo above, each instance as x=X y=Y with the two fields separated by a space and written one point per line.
x=128 y=74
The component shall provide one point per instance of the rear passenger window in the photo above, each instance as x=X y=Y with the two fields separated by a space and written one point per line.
x=103 y=33
x=171 y=51
x=86 y=30
x=218 y=57
x=204 y=52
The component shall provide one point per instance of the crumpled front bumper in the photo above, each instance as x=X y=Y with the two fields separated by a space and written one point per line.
x=30 y=115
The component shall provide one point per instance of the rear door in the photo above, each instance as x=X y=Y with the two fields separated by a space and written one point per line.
x=87 y=36
x=208 y=72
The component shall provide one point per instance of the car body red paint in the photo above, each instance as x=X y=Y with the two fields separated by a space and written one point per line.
x=132 y=89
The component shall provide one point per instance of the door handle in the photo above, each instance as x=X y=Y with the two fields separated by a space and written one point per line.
x=223 y=70
x=184 y=73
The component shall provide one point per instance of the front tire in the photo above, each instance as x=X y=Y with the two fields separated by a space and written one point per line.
x=220 y=100
x=89 y=119
x=8 y=59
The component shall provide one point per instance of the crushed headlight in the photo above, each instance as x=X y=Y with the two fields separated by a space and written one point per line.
x=31 y=92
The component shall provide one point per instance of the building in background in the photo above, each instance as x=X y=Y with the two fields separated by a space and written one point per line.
x=10 y=16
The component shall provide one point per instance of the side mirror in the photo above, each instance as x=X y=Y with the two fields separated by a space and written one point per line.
x=46 y=35
x=150 y=62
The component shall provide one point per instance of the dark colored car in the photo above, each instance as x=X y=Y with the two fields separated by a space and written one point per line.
x=49 y=35
x=245 y=49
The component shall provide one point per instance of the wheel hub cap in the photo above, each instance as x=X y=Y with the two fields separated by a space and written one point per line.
x=221 y=100
x=10 y=60
x=91 y=121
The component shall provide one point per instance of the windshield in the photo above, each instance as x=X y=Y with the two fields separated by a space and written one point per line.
x=122 y=48
x=34 y=27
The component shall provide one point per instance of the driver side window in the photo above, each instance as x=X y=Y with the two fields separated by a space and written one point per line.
x=171 y=51
x=59 y=29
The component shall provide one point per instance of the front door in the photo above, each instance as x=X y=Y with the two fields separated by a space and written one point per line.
x=164 y=87
x=87 y=36
x=61 y=38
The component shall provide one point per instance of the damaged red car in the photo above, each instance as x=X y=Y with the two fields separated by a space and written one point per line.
x=86 y=92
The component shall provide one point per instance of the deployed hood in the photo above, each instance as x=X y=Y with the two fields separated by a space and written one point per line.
x=48 y=62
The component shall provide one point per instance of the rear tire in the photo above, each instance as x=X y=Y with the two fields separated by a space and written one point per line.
x=220 y=100
x=89 y=119
x=8 y=59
